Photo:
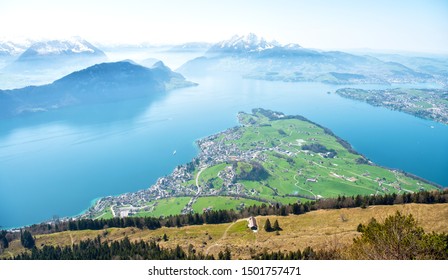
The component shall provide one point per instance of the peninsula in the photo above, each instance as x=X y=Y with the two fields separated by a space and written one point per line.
x=429 y=104
x=270 y=158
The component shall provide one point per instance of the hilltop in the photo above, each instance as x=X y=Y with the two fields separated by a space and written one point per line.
x=270 y=158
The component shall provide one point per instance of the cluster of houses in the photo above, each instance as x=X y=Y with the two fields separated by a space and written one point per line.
x=350 y=179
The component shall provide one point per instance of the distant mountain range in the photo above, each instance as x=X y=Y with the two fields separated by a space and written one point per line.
x=73 y=54
x=256 y=58
x=250 y=56
x=247 y=44
x=12 y=49
x=96 y=84
x=56 y=48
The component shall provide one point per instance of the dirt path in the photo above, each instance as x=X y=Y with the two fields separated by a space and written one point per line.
x=194 y=198
x=113 y=212
x=71 y=238
x=97 y=218
x=224 y=235
x=197 y=180
x=297 y=185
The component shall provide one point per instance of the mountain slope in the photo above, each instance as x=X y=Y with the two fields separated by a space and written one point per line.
x=322 y=229
x=99 y=83
x=8 y=48
x=257 y=58
x=242 y=44
x=72 y=54
x=76 y=47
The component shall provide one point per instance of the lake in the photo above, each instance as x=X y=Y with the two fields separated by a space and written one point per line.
x=56 y=163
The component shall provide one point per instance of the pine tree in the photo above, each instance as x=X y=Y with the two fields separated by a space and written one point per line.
x=227 y=254
x=220 y=255
x=3 y=240
x=27 y=240
x=276 y=226
x=267 y=226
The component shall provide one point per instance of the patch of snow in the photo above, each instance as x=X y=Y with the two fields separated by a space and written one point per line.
x=58 y=47
x=249 y=42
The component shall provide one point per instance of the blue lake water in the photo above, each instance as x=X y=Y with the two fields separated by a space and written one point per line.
x=56 y=163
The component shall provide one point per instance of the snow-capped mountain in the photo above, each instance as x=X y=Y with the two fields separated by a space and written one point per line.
x=292 y=47
x=58 y=48
x=256 y=58
x=250 y=44
x=56 y=56
x=243 y=44
x=9 y=48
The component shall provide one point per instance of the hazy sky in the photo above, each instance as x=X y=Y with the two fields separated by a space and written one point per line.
x=409 y=25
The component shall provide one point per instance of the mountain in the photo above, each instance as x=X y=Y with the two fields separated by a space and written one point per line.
x=75 y=47
x=73 y=54
x=243 y=44
x=434 y=65
x=256 y=58
x=9 y=51
x=96 y=84
x=9 y=48
x=149 y=62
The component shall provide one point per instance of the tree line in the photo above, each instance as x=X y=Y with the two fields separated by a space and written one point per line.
x=397 y=238
x=226 y=216
x=117 y=250
x=4 y=243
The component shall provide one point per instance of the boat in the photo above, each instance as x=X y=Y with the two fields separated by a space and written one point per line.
x=174 y=152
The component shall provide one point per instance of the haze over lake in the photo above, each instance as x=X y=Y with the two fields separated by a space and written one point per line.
x=56 y=163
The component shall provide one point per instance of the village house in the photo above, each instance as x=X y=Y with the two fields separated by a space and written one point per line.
x=313 y=180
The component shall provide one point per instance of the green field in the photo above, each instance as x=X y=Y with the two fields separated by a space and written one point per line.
x=328 y=169
x=166 y=207
x=105 y=214
x=220 y=202
x=210 y=176
x=423 y=103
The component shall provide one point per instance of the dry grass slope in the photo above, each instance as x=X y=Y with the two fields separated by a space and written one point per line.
x=318 y=229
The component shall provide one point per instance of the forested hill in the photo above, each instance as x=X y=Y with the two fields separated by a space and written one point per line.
x=99 y=83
